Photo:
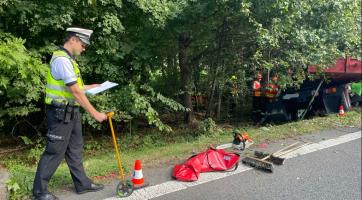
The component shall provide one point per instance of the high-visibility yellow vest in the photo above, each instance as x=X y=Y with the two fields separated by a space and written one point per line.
x=56 y=90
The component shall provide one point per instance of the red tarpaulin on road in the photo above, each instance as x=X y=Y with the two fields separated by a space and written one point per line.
x=207 y=161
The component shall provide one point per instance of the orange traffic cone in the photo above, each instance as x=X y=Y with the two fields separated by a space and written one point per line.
x=137 y=177
x=341 y=111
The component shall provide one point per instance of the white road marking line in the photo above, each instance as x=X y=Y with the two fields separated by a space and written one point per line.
x=173 y=186
x=324 y=144
x=229 y=145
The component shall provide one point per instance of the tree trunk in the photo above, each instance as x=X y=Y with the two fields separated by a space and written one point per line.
x=186 y=76
x=212 y=93
x=218 y=111
x=221 y=41
x=220 y=89
x=196 y=78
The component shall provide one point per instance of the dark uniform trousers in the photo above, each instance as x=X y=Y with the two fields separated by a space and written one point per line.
x=64 y=140
x=258 y=103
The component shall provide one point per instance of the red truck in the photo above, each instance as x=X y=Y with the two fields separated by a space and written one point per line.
x=316 y=97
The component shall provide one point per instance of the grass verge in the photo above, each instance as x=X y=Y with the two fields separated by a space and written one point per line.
x=156 y=149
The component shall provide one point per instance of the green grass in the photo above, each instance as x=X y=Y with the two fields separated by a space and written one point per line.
x=159 y=149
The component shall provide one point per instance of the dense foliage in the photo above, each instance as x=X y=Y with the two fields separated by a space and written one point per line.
x=164 y=52
x=21 y=76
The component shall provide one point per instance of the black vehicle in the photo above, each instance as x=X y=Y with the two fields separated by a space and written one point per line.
x=318 y=97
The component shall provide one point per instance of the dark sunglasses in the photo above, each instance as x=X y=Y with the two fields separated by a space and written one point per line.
x=84 y=45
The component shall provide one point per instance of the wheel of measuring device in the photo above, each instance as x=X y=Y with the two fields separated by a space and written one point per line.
x=124 y=188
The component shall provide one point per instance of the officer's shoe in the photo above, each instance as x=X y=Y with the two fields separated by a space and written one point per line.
x=93 y=188
x=47 y=196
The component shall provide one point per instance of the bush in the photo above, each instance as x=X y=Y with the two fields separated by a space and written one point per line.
x=21 y=78
x=134 y=101
x=207 y=126
x=20 y=183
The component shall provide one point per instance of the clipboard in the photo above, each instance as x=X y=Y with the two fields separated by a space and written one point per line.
x=104 y=86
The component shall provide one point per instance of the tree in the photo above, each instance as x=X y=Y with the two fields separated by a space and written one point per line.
x=21 y=79
x=187 y=47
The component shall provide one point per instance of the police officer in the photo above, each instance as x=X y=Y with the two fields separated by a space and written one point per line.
x=64 y=96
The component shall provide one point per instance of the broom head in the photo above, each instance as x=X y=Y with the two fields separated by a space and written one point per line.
x=258 y=163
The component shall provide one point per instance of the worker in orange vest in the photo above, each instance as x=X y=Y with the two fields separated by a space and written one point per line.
x=256 y=93
x=272 y=89
x=257 y=85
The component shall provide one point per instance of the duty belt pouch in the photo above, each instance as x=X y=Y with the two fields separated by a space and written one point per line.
x=60 y=113
x=68 y=114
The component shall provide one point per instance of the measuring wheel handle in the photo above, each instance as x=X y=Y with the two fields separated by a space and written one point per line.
x=109 y=114
x=124 y=187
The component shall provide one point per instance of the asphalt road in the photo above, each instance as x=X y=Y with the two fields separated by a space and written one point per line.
x=330 y=173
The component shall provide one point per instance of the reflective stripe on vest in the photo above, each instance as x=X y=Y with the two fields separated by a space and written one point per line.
x=56 y=89
x=257 y=93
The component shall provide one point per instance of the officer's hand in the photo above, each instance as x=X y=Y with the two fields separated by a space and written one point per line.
x=100 y=117
x=88 y=87
x=95 y=85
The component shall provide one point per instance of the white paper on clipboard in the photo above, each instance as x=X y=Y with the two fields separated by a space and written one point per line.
x=104 y=86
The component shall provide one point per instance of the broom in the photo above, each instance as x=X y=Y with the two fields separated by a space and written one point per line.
x=277 y=160
x=263 y=164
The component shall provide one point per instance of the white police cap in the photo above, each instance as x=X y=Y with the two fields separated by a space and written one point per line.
x=83 y=34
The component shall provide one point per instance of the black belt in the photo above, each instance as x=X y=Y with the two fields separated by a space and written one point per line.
x=52 y=107
x=64 y=113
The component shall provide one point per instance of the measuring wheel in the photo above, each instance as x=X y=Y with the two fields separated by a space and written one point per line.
x=124 y=188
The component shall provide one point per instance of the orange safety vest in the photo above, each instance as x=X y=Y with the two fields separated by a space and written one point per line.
x=271 y=90
x=256 y=88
